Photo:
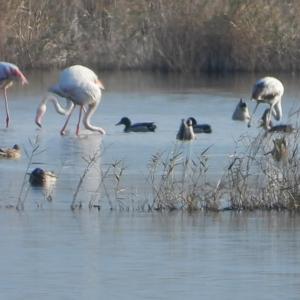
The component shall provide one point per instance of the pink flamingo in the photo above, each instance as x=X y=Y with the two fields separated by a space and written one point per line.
x=79 y=86
x=8 y=74
x=268 y=90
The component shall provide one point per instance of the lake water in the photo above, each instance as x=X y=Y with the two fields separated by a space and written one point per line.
x=50 y=252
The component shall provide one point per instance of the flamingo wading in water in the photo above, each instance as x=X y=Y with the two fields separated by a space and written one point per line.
x=8 y=74
x=79 y=86
x=268 y=90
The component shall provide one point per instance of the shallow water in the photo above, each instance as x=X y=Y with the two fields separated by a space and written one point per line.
x=164 y=99
x=56 y=254
x=48 y=252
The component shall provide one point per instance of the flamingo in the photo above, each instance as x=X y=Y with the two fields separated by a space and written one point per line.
x=79 y=86
x=8 y=74
x=268 y=90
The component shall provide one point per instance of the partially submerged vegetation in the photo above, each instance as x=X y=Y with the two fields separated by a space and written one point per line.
x=198 y=35
x=264 y=175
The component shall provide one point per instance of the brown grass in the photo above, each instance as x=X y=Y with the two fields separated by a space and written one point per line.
x=191 y=35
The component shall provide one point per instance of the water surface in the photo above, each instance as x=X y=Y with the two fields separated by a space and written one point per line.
x=55 y=254
x=164 y=99
x=49 y=252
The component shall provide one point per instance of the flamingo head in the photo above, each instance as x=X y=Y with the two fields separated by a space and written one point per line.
x=15 y=72
x=40 y=113
x=100 y=84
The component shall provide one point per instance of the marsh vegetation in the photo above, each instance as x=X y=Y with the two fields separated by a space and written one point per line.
x=198 y=35
x=265 y=175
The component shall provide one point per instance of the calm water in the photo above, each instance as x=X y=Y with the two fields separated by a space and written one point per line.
x=48 y=252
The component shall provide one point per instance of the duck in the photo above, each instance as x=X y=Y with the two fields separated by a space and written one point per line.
x=137 y=127
x=268 y=126
x=280 y=150
x=241 y=112
x=12 y=153
x=186 y=131
x=200 y=128
x=40 y=177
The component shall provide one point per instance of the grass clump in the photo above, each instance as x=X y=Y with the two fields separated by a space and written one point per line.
x=179 y=182
x=265 y=175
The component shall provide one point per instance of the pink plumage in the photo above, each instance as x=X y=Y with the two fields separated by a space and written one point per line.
x=8 y=74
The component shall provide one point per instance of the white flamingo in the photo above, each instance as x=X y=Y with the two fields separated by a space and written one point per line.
x=80 y=86
x=268 y=90
x=8 y=74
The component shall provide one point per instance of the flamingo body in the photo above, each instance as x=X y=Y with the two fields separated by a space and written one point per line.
x=267 y=90
x=80 y=86
x=8 y=74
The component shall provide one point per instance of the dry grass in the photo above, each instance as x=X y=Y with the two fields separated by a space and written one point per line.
x=191 y=35
x=265 y=176
x=25 y=186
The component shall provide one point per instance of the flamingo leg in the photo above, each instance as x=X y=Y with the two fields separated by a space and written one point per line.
x=272 y=112
x=277 y=111
x=80 y=113
x=62 y=131
x=6 y=107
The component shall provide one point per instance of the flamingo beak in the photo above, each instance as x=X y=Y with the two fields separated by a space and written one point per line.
x=100 y=84
x=22 y=77
x=39 y=114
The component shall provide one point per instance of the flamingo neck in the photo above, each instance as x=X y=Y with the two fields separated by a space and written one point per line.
x=59 y=109
x=42 y=108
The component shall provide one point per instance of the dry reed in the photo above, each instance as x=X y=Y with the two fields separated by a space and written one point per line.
x=198 y=35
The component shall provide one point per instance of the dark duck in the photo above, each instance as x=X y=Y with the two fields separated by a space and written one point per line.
x=199 y=128
x=136 y=127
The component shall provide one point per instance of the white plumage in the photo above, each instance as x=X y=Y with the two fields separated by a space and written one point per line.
x=80 y=86
x=269 y=90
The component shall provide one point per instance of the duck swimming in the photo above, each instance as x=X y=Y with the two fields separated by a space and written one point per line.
x=268 y=125
x=12 y=153
x=39 y=177
x=137 y=127
x=200 y=128
x=186 y=131
x=241 y=112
